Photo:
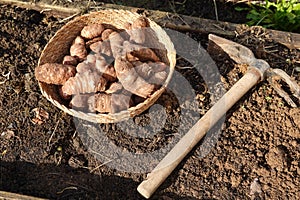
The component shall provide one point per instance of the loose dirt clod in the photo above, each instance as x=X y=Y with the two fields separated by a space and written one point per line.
x=276 y=158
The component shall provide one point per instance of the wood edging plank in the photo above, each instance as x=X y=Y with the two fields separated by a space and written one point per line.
x=164 y=19
x=10 y=196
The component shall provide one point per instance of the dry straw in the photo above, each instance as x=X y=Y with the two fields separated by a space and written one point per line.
x=59 y=46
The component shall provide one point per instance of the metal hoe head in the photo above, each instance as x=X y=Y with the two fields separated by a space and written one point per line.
x=242 y=55
x=239 y=53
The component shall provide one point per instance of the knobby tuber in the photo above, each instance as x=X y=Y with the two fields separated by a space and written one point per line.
x=109 y=103
x=63 y=95
x=137 y=30
x=90 y=42
x=92 y=31
x=143 y=69
x=86 y=82
x=145 y=54
x=70 y=60
x=130 y=79
x=116 y=44
x=102 y=47
x=83 y=67
x=79 y=40
x=115 y=87
x=107 y=70
x=158 y=78
x=100 y=102
x=142 y=53
x=105 y=34
x=158 y=66
x=79 y=101
x=79 y=51
x=54 y=73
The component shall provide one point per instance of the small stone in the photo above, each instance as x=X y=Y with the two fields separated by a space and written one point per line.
x=77 y=161
x=7 y=134
x=255 y=190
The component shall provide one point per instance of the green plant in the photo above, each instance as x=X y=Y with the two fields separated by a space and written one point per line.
x=281 y=15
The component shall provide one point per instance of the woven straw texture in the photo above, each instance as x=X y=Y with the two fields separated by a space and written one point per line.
x=59 y=46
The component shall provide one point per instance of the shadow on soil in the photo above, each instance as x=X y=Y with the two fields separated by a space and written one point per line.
x=63 y=182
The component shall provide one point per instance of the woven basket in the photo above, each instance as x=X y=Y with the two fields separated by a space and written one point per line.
x=59 y=46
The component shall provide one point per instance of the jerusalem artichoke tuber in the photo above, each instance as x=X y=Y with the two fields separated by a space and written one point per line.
x=130 y=79
x=79 y=101
x=86 y=82
x=158 y=78
x=105 y=34
x=116 y=44
x=120 y=102
x=114 y=88
x=83 y=67
x=92 y=31
x=137 y=30
x=109 y=103
x=100 y=102
x=79 y=40
x=69 y=60
x=92 y=41
x=158 y=66
x=79 y=51
x=142 y=53
x=54 y=73
x=143 y=69
x=102 y=47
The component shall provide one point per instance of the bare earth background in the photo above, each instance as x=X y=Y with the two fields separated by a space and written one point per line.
x=260 y=137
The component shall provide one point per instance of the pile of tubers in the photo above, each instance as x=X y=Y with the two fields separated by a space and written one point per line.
x=108 y=70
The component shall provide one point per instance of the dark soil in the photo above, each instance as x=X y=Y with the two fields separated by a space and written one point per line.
x=204 y=8
x=259 y=139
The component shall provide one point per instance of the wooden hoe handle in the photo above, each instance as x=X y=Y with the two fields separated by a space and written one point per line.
x=194 y=135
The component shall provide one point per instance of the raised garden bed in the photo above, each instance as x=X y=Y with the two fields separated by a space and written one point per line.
x=260 y=137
